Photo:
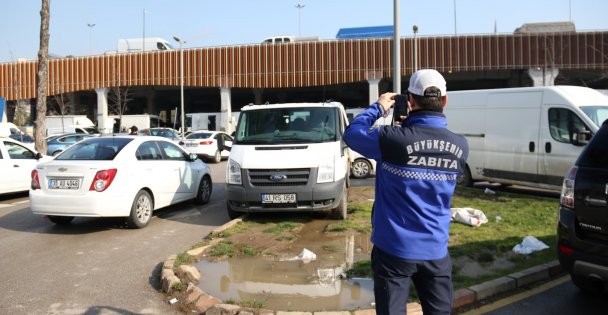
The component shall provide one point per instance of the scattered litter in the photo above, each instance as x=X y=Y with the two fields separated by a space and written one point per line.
x=489 y=191
x=498 y=218
x=305 y=256
x=470 y=216
x=528 y=245
x=173 y=300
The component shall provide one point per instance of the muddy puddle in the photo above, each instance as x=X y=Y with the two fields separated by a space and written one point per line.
x=293 y=281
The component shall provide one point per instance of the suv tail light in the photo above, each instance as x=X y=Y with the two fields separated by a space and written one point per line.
x=35 y=180
x=567 y=197
x=102 y=180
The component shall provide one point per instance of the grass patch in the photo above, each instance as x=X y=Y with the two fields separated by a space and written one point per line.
x=183 y=259
x=179 y=287
x=223 y=248
x=249 y=251
x=281 y=227
x=360 y=269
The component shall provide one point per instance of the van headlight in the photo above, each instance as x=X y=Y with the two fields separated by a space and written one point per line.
x=326 y=171
x=233 y=173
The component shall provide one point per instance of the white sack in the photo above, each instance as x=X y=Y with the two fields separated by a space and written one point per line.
x=469 y=216
x=528 y=245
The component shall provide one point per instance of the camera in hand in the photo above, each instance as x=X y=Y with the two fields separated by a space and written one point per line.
x=400 y=108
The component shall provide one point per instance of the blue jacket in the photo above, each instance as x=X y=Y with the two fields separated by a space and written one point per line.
x=417 y=167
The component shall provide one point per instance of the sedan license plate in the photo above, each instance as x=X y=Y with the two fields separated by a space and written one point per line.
x=191 y=144
x=278 y=198
x=64 y=183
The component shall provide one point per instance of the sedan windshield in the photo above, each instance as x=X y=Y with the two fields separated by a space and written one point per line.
x=94 y=149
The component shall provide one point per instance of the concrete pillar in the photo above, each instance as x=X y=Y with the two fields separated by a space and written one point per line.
x=374 y=90
x=543 y=76
x=104 y=124
x=257 y=96
x=226 y=110
x=151 y=102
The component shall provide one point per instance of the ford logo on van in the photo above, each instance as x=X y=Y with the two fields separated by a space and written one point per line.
x=278 y=177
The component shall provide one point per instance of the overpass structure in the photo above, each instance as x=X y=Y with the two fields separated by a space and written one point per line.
x=301 y=65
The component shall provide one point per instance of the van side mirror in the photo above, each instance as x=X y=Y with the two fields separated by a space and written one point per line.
x=581 y=136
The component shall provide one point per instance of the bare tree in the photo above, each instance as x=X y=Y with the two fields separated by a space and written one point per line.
x=119 y=97
x=42 y=75
x=62 y=105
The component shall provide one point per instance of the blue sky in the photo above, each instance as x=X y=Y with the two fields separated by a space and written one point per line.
x=203 y=23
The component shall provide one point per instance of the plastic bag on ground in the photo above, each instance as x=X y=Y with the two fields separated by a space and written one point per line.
x=470 y=216
x=305 y=256
x=528 y=245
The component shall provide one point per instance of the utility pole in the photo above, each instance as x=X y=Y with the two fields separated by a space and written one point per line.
x=396 y=50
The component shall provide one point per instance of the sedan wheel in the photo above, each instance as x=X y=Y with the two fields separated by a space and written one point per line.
x=141 y=210
x=204 y=191
x=217 y=157
x=361 y=169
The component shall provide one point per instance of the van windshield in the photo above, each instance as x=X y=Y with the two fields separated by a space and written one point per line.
x=287 y=125
x=598 y=114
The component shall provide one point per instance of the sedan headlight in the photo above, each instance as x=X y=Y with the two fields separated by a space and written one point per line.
x=326 y=171
x=233 y=173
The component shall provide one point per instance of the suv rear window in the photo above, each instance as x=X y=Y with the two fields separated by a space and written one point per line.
x=595 y=154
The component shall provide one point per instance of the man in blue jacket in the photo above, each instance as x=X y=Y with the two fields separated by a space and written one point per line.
x=418 y=164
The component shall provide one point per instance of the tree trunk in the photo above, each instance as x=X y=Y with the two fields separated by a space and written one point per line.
x=42 y=76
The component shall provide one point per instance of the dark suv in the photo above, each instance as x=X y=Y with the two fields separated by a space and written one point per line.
x=582 y=230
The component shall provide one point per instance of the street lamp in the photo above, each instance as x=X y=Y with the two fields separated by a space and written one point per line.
x=181 y=66
x=415 y=29
x=299 y=7
x=90 y=37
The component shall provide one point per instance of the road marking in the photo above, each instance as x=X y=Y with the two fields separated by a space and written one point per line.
x=518 y=297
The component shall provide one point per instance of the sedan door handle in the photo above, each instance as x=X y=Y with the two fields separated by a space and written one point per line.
x=15 y=165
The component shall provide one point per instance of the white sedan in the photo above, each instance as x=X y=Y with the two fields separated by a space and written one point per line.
x=118 y=176
x=16 y=164
x=205 y=144
x=362 y=167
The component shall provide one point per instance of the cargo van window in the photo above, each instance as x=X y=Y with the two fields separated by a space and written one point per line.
x=563 y=123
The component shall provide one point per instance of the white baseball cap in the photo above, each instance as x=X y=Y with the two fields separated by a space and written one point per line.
x=425 y=78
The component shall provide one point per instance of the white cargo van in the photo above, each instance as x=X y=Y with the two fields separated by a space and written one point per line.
x=289 y=157
x=69 y=124
x=142 y=44
x=526 y=136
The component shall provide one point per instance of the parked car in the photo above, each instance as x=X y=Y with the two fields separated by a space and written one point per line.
x=168 y=133
x=362 y=167
x=582 y=230
x=16 y=164
x=205 y=144
x=57 y=143
x=118 y=176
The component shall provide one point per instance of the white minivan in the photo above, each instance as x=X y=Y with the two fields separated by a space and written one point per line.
x=289 y=157
x=527 y=136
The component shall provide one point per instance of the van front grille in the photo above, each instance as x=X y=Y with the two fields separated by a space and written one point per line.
x=279 y=177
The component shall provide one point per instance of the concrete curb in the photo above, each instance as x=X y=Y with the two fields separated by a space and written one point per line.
x=202 y=303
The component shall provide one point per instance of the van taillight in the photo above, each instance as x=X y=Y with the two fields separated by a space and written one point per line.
x=35 y=181
x=567 y=197
x=103 y=179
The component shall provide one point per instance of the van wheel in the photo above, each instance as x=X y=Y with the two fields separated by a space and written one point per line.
x=141 y=210
x=231 y=213
x=465 y=178
x=361 y=169
x=60 y=220
x=204 y=191
x=341 y=212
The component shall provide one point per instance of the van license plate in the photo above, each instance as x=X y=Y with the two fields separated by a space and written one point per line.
x=278 y=198
x=68 y=183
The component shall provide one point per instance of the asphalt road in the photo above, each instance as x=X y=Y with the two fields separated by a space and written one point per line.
x=557 y=297
x=96 y=266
